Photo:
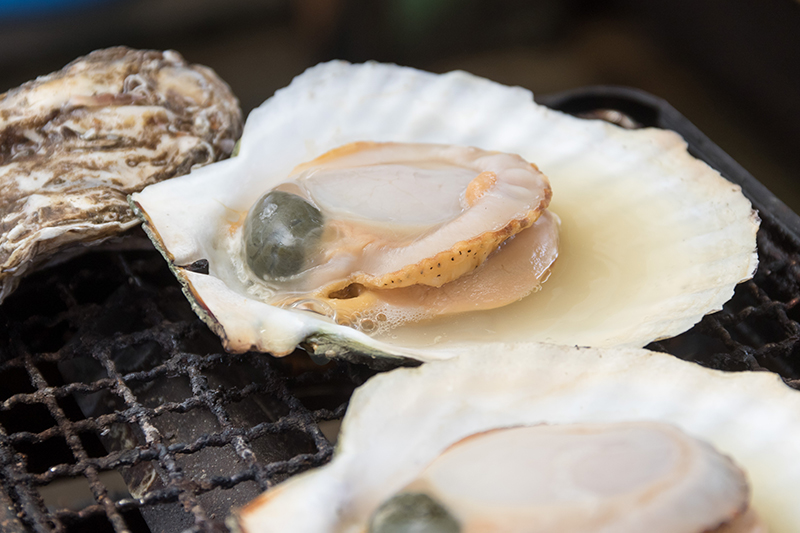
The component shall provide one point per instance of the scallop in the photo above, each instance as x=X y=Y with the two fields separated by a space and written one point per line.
x=76 y=142
x=622 y=477
x=435 y=230
x=553 y=438
x=638 y=242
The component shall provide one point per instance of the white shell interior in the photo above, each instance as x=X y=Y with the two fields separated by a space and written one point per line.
x=651 y=238
x=398 y=422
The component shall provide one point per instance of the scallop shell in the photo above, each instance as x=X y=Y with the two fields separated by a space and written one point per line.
x=752 y=417
x=75 y=143
x=651 y=238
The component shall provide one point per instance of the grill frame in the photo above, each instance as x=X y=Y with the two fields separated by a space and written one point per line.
x=56 y=330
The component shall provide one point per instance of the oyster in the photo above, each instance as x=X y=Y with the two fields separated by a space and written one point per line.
x=636 y=406
x=651 y=239
x=75 y=143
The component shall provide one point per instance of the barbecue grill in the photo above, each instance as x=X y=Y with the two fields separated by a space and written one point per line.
x=114 y=393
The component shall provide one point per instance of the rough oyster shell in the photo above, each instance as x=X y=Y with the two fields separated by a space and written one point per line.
x=75 y=143
x=398 y=422
x=651 y=238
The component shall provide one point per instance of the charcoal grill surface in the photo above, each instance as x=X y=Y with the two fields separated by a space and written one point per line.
x=112 y=391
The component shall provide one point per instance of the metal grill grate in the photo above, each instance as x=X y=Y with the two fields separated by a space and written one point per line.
x=114 y=393
x=137 y=385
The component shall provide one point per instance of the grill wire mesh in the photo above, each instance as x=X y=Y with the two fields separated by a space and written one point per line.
x=105 y=368
x=113 y=392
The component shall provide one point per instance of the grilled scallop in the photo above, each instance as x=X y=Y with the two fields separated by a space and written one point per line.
x=638 y=241
x=539 y=438
x=420 y=238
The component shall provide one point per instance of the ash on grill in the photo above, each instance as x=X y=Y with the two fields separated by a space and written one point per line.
x=113 y=392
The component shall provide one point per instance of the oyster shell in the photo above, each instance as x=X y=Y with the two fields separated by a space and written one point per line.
x=651 y=238
x=751 y=417
x=75 y=143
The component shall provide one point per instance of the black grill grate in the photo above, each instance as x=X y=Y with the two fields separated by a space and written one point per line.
x=155 y=398
x=112 y=389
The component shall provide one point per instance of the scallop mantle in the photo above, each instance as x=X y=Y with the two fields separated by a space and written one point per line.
x=752 y=417
x=652 y=239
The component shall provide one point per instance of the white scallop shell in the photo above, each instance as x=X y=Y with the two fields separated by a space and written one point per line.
x=398 y=422
x=651 y=238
